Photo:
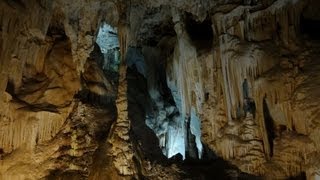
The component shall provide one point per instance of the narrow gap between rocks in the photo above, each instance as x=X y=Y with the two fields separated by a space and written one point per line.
x=269 y=124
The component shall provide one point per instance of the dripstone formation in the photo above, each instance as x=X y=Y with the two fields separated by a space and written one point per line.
x=159 y=89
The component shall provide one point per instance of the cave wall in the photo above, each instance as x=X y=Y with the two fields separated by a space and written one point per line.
x=246 y=88
x=242 y=52
x=252 y=81
x=43 y=54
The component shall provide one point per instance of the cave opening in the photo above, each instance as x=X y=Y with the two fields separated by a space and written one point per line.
x=310 y=21
x=200 y=33
x=154 y=110
x=101 y=72
x=56 y=30
x=139 y=102
x=179 y=134
x=310 y=27
x=108 y=41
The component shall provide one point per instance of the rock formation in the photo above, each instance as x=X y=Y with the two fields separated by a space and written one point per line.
x=150 y=89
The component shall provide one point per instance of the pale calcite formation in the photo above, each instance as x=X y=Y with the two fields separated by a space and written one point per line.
x=256 y=90
x=245 y=52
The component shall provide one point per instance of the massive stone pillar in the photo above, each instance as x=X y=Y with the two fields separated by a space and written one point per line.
x=122 y=151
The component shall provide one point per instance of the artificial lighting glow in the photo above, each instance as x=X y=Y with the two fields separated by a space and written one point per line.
x=195 y=127
x=107 y=38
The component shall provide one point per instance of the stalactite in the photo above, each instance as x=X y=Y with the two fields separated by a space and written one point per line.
x=239 y=62
x=29 y=130
x=254 y=85
x=184 y=78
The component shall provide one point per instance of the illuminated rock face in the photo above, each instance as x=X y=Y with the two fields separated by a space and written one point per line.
x=83 y=102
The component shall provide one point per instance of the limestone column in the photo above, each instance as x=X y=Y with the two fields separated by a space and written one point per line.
x=122 y=151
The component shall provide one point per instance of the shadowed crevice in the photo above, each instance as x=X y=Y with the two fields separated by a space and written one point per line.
x=269 y=124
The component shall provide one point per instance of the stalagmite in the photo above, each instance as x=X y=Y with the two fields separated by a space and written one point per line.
x=121 y=147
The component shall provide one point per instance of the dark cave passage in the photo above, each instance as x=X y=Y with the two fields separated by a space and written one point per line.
x=200 y=33
x=138 y=103
x=269 y=126
x=146 y=142
x=249 y=105
x=310 y=27
x=10 y=88
x=310 y=20
x=100 y=79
